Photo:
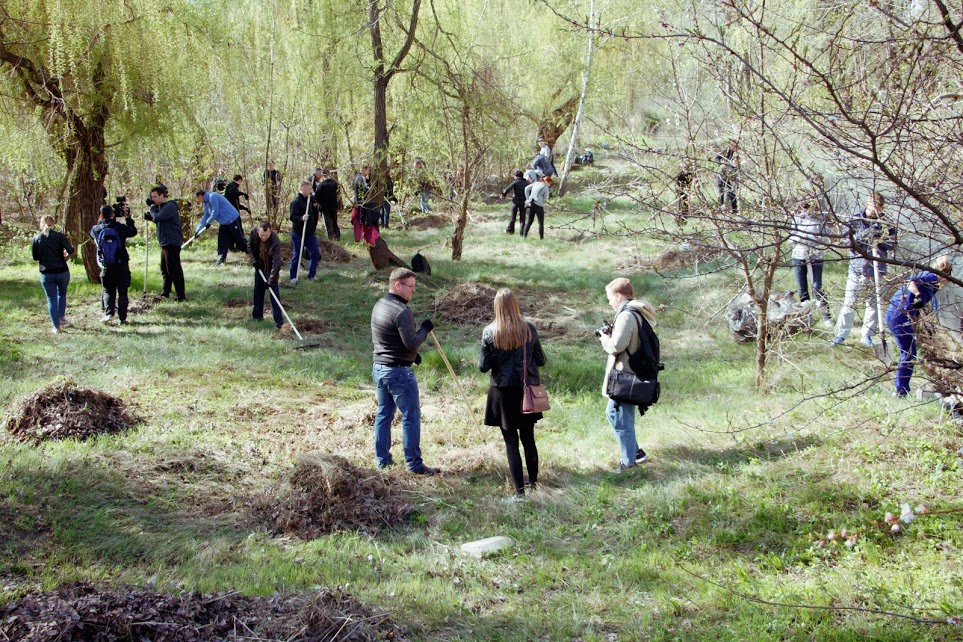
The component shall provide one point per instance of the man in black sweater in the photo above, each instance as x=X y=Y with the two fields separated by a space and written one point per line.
x=265 y=249
x=327 y=193
x=396 y=342
x=114 y=261
x=233 y=194
x=304 y=220
x=170 y=235
x=517 y=188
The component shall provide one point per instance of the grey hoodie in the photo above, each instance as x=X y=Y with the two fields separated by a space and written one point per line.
x=624 y=339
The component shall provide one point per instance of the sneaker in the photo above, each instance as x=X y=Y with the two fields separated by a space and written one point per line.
x=386 y=465
x=900 y=395
x=278 y=325
x=428 y=471
x=621 y=468
x=106 y=318
x=63 y=322
x=219 y=261
x=838 y=341
x=515 y=499
x=123 y=321
x=312 y=278
x=292 y=283
x=54 y=331
x=868 y=342
x=640 y=456
x=166 y=295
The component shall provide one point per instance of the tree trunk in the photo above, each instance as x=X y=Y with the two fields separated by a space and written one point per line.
x=762 y=342
x=458 y=238
x=581 y=103
x=382 y=257
x=554 y=125
x=85 y=193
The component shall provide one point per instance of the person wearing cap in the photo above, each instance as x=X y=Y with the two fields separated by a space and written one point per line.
x=230 y=234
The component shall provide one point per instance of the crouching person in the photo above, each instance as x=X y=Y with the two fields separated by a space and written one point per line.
x=265 y=249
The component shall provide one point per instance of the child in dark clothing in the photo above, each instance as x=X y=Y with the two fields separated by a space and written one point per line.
x=518 y=200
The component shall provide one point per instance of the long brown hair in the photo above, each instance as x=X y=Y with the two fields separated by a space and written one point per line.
x=511 y=331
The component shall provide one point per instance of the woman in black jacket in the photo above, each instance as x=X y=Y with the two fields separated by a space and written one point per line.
x=506 y=343
x=52 y=249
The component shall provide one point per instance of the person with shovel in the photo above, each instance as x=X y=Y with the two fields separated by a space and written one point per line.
x=396 y=341
x=230 y=234
x=904 y=310
x=265 y=249
x=872 y=239
x=165 y=215
x=304 y=225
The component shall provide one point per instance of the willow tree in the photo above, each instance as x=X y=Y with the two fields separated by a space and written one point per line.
x=87 y=72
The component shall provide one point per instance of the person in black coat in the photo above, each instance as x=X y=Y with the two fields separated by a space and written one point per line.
x=510 y=349
x=327 y=193
x=51 y=249
x=304 y=220
x=265 y=249
x=517 y=188
x=233 y=194
x=114 y=263
x=166 y=216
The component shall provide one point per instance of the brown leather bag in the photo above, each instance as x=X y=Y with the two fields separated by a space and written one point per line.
x=534 y=398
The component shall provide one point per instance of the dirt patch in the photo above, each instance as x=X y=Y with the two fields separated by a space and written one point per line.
x=144 y=303
x=80 y=612
x=467 y=304
x=237 y=303
x=327 y=494
x=305 y=326
x=675 y=258
x=65 y=411
x=334 y=253
x=428 y=222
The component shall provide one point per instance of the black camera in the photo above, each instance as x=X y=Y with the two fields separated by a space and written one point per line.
x=121 y=209
x=605 y=328
x=148 y=217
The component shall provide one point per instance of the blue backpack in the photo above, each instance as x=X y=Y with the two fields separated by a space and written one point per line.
x=109 y=244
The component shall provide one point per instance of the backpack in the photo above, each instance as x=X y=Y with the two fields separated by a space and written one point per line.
x=645 y=362
x=420 y=264
x=109 y=245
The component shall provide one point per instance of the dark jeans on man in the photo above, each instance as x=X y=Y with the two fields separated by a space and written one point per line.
x=260 y=289
x=115 y=281
x=172 y=271
x=800 y=267
x=518 y=209
x=527 y=434
x=230 y=237
x=311 y=247
x=397 y=389
x=533 y=211
x=901 y=326
x=727 y=191
x=385 y=213
x=331 y=225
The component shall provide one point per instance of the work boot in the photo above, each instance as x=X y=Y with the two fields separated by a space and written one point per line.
x=428 y=471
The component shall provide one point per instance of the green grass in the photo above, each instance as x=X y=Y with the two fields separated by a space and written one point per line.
x=227 y=406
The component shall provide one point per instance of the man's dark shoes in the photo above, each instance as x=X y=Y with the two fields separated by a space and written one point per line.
x=219 y=261
x=640 y=456
x=425 y=470
x=386 y=465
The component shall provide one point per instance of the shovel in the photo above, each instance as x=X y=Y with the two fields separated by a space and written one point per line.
x=302 y=342
x=880 y=349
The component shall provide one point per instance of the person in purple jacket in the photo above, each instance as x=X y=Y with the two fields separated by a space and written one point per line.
x=904 y=309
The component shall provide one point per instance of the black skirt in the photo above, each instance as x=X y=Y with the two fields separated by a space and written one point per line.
x=504 y=409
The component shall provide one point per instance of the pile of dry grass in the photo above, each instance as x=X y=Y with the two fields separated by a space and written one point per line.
x=467 y=304
x=675 y=258
x=144 y=303
x=80 y=613
x=428 y=222
x=327 y=494
x=65 y=411
x=940 y=357
x=334 y=253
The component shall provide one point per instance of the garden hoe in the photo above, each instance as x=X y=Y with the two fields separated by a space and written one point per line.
x=880 y=349
x=303 y=343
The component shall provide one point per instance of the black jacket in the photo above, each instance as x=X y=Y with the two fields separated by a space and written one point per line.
x=297 y=208
x=506 y=365
x=328 y=196
x=125 y=230
x=361 y=187
x=393 y=332
x=233 y=195
x=518 y=191
x=168 y=220
x=49 y=250
x=266 y=255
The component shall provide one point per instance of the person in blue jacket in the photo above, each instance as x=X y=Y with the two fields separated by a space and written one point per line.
x=230 y=234
x=904 y=309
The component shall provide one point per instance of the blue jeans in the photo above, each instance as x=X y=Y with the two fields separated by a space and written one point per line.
x=902 y=328
x=622 y=419
x=311 y=245
x=397 y=389
x=423 y=201
x=55 y=287
x=800 y=267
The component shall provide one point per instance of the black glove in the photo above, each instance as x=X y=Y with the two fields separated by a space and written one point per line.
x=417 y=358
x=917 y=304
x=148 y=217
x=427 y=325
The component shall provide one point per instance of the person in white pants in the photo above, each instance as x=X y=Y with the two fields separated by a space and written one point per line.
x=871 y=236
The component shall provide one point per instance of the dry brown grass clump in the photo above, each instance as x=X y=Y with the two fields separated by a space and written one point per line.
x=940 y=357
x=675 y=258
x=334 y=253
x=467 y=304
x=305 y=326
x=327 y=494
x=144 y=303
x=65 y=411
x=80 y=613
x=428 y=222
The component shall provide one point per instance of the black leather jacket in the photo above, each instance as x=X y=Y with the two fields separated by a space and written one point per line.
x=506 y=365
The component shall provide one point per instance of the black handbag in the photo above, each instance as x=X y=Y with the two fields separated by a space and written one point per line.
x=625 y=387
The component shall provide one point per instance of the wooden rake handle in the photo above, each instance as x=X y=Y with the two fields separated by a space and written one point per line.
x=461 y=390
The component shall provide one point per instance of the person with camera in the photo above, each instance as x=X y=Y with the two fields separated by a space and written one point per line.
x=265 y=248
x=51 y=249
x=396 y=341
x=112 y=257
x=230 y=234
x=620 y=339
x=304 y=221
x=510 y=349
x=166 y=216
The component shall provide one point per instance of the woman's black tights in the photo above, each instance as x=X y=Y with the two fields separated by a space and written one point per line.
x=514 y=458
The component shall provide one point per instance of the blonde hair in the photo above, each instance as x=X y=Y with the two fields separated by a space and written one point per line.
x=943 y=264
x=511 y=331
x=621 y=286
x=47 y=221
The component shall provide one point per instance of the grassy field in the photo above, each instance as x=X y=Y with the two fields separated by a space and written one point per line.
x=730 y=512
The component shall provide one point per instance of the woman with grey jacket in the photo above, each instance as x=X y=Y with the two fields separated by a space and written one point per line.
x=535 y=195
x=808 y=239
x=511 y=351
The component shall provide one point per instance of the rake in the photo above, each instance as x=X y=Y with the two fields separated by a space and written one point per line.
x=303 y=343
